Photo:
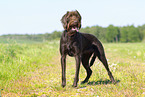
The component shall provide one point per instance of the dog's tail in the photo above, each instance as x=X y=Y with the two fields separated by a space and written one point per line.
x=99 y=51
x=93 y=60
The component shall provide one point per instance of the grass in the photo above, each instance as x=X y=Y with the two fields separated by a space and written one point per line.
x=35 y=70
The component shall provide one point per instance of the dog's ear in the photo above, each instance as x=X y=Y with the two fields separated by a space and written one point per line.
x=78 y=15
x=80 y=25
x=80 y=18
x=64 y=20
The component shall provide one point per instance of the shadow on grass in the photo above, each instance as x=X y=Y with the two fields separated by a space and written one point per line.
x=102 y=82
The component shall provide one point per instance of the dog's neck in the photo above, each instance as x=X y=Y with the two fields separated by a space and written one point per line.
x=70 y=34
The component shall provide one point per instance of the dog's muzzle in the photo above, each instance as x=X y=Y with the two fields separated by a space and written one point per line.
x=73 y=25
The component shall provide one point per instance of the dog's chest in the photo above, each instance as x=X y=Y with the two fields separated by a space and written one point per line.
x=70 y=50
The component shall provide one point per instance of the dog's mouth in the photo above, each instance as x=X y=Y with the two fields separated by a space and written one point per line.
x=75 y=29
x=72 y=30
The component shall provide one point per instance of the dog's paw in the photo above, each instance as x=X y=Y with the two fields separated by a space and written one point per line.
x=113 y=81
x=83 y=82
x=63 y=85
x=74 y=85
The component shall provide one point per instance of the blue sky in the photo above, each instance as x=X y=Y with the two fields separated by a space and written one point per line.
x=41 y=16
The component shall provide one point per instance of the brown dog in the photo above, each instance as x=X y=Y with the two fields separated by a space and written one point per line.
x=80 y=45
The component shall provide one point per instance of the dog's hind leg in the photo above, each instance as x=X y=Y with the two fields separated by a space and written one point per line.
x=85 y=63
x=102 y=58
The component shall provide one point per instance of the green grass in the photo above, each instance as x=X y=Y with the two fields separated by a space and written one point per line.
x=35 y=70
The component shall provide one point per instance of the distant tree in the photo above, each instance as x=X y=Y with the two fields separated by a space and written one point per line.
x=123 y=34
x=55 y=34
x=112 y=33
x=133 y=34
x=46 y=36
x=143 y=34
x=85 y=30
x=142 y=31
x=100 y=33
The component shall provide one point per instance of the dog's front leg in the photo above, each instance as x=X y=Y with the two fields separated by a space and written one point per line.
x=63 y=66
x=76 y=79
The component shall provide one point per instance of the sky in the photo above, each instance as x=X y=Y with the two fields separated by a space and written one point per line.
x=43 y=16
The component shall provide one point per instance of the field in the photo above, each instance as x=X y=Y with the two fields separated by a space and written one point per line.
x=33 y=69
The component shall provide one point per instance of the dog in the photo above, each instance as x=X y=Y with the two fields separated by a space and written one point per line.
x=81 y=46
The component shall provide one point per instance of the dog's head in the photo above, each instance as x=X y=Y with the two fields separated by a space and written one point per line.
x=71 y=21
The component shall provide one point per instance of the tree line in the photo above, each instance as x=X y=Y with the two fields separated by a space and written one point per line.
x=111 y=33
x=117 y=34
